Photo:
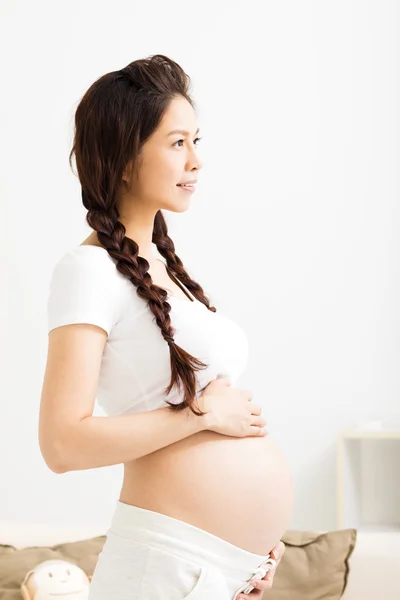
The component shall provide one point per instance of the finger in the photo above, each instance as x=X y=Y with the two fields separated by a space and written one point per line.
x=257 y=431
x=265 y=583
x=254 y=595
x=281 y=551
x=259 y=421
x=278 y=550
x=255 y=409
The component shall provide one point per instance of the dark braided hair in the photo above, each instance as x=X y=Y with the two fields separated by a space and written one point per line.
x=113 y=120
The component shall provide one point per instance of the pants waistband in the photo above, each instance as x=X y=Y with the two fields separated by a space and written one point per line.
x=186 y=540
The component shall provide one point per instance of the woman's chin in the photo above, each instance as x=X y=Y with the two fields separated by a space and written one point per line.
x=178 y=207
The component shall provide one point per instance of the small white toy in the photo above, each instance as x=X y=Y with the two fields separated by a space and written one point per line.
x=56 y=578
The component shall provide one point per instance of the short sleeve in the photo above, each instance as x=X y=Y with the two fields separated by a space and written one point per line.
x=84 y=289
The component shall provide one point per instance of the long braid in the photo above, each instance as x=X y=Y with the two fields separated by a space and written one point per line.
x=166 y=248
x=125 y=251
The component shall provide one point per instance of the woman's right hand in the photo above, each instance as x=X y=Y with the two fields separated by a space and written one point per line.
x=230 y=410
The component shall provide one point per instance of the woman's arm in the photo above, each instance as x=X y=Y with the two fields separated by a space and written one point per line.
x=103 y=441
x=70 y=437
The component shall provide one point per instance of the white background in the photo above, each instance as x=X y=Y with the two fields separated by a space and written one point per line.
x=291 y=231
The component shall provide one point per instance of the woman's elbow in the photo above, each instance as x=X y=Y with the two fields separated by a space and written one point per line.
x=54 y=456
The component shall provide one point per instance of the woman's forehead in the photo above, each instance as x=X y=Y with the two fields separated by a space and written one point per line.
x=179 y=116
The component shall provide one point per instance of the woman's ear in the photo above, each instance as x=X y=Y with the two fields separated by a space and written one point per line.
x=127 y=174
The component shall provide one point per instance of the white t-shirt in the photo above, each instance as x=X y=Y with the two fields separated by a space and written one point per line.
x=86 y=287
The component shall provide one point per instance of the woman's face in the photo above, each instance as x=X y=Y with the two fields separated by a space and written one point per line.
x=168 y=159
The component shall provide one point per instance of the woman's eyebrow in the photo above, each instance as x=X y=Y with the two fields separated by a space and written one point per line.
x=182 y=131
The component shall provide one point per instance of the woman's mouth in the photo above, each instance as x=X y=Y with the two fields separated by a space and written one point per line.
x=188 y=187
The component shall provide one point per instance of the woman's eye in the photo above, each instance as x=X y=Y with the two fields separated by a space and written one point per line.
x=196 y=140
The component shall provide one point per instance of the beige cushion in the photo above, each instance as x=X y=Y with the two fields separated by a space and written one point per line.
x=15 y=563
x=314 y=565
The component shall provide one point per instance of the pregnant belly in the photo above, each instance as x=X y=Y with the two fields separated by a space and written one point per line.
x=239 y=489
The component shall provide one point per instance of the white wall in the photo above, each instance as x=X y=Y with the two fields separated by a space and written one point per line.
x=297 y=211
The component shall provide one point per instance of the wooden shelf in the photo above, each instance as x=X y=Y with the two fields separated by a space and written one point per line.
x=359 y=434
x=368 y=480
x=379 y=528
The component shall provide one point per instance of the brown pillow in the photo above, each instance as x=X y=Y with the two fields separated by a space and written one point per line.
x=15 y=563
x=314 y=566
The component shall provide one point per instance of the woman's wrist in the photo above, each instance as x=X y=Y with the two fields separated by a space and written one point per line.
x=201 y=422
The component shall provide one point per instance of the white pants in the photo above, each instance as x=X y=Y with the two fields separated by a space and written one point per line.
x=151 y=556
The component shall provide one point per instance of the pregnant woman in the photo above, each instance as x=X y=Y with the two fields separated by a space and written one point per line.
x=206 y=494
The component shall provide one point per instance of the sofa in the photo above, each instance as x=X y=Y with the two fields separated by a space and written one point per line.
x=374 y=564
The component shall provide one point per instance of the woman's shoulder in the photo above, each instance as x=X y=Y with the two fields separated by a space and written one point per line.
x=88 y=264
x=85 y=286
x=86 y=255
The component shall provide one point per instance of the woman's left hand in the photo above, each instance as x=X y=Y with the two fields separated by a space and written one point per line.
x=266 y=583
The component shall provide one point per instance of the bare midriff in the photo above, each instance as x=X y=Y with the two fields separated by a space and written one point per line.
x=239 y=489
